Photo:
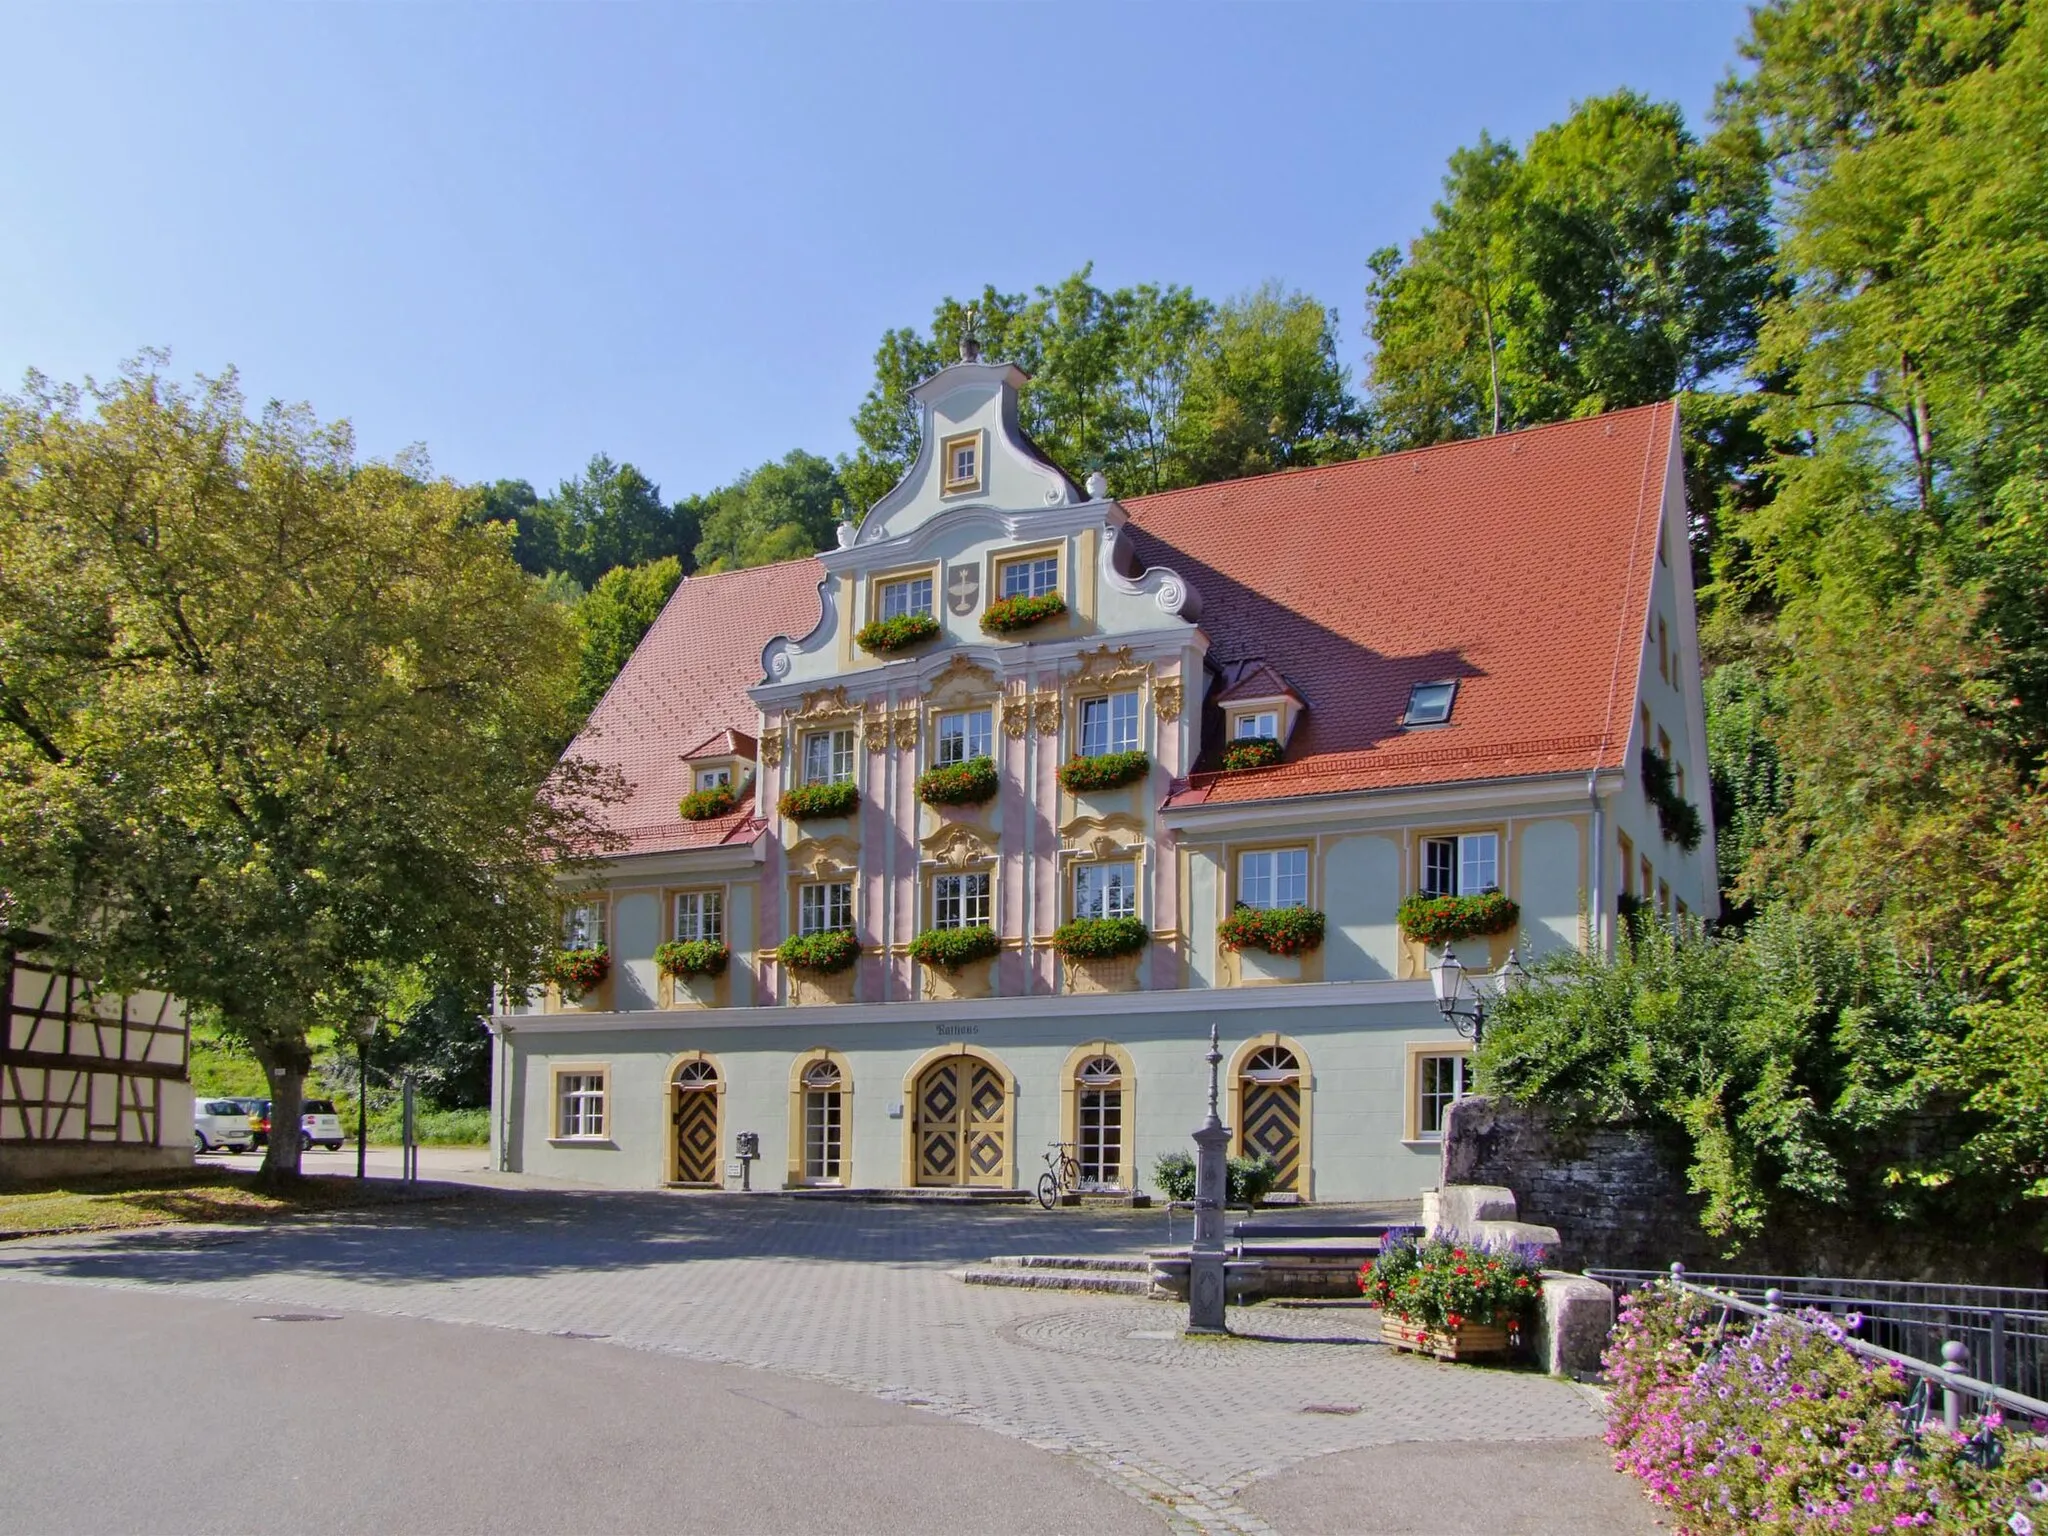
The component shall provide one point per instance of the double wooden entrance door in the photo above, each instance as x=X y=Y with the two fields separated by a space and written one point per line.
x=962 y=1127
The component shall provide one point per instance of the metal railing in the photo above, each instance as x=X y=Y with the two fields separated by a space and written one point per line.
x=1933 y=1332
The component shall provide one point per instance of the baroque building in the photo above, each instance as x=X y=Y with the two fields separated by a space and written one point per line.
x=953 y=841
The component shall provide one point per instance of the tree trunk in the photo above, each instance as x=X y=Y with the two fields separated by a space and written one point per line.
x=285 y=1065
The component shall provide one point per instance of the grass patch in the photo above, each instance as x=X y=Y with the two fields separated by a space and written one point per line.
x=431 y=1127
x=203 y=1195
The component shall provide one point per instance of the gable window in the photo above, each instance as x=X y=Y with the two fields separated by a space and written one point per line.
x=700 y=915
x=1038 y=576
x=1105 y=890
x=828 y=757
x=711 y=778
x=970 y=733
x=1260 y=722
x=1646 y=724
x=1440 y=1081
x=960 y=901
x=579 y=1105
x=824 y=908
x=1628 y=862
x=1109 y=725
x=1664 y=745
x=1273 y=877
x=1643 y=868
x=1663 y=651
x=1430 y=703
x=1461 y=866
x=961 y=462
x=583 y=925
x=902 y=598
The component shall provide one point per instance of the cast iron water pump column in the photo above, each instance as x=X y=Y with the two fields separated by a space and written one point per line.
x=1212 y=1174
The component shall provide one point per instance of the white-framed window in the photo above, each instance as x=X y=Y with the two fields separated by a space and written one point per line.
x=824 y=908
x=1109 y=725
x=1273 y=877
x=1461 y=866
x=711 y=778
x=905 y=596
x=961 y=901
x=583 y=925
x=824 y=1123
x=1105 y=890
x=1260 y=722
x=1430 y=703
x=1440 y=1081
x=1035 y=576
x=1099 y=1122
x=579 y=1105
x=828 y=757
x=700 y=915
x=968 y=733
x=960 y=459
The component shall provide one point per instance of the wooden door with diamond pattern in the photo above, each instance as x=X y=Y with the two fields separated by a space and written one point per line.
x=696 y=1134
x=1272 y=1125
x=962 y=1130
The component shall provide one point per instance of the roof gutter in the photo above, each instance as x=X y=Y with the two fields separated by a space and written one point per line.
x=1520 y=789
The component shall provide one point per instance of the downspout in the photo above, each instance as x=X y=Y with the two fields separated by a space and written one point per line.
x=893 y=821
x=1597 y=857
x=1029 y=884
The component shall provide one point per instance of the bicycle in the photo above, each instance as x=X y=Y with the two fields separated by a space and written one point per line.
x=1062 y=1173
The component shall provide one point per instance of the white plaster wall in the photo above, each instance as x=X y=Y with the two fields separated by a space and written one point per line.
x=1361 y=893
x=1201 y=909
x=636 y=925
x=1551 y=882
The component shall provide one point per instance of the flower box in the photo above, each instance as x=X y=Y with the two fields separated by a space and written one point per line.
x=821 y=954
x=951 y=948
x=1446 y=919
x=1113 y=770
x=1248 y=752
x=897 y=634
x=577 y=971
x=1100 y=938
x=704 y=804
x=1467 y=1341
x=970 y=783
x=1276 y=930
x=682 y=958
x=1007 y=615
x=810 y=802
x=1677 y=817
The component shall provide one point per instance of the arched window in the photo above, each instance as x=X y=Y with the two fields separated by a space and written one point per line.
x=1272 y=1064
x=824 y=1123
x=1099 y=1128
x=697 y=1074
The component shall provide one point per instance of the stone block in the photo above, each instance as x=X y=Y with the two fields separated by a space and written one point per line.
x=1497 y=1235
x=1572 y=1324
x=1460 y=1206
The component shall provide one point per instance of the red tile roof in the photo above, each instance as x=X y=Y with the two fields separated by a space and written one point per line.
x=1518 y=565
x=1252 y=679
x=686 y=685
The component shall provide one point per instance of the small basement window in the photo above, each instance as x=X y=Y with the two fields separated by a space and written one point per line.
x=1430 y=703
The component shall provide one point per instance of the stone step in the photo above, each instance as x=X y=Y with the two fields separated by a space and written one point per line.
x=975 y=1196
x=1099 y=1282
x=1111 y=1264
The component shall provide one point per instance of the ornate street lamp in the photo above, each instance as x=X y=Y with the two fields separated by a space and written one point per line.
x=1462 y=998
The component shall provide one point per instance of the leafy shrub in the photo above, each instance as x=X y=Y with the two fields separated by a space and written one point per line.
x=430 y=1127
x=1112 y=770
x=1444 y=1285
x=1251 y=752
x=1677 y=817
x=1100 y=938
x=703 y=804
x=897 y=634
x=951 y=948
x=808 y=802
x=1249 y=1179
x=1771 y=1426
x=1446 y=919
x=1007 y=615
x=1277 y=930
x=692 y=957
x=577 y=971
x=820 y=953
x=968 y=783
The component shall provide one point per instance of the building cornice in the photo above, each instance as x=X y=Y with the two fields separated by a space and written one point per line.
x=1565 y=792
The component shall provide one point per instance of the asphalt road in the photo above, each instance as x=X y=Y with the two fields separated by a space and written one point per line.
x=382 y=1163
x=125 y=1411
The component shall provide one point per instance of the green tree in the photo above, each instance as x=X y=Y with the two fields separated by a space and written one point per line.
x=613 y=618
x=612 y=515
x=1266 y=392
x=786 y=509
x=273 y=721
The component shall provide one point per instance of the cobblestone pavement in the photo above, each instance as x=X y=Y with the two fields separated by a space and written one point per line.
x=861 y=1296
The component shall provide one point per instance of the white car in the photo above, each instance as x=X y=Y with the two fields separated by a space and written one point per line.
x=318 y=1123
x=221 y=1123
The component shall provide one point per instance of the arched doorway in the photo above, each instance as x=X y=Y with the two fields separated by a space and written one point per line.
x=695 y=1093
x=824 y=1123
x=1270 y=1119
x=960 y=1124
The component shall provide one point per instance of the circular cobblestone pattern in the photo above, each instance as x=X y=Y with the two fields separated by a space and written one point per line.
x=1148 y=1333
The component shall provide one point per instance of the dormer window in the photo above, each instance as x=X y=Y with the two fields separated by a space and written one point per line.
x=711 y=778
x=1430 y=703
x=1256 y=722
x=900 y=599
x=961 y=460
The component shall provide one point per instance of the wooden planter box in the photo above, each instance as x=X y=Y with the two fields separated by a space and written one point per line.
x=1468 y=1341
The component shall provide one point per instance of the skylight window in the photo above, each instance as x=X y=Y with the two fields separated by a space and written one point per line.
x=1430 y=703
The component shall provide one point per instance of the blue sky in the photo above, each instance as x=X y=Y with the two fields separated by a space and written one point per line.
x=521 y=234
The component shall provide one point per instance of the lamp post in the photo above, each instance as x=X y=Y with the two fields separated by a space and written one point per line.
x=365 y=1031
x=1462 y=998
